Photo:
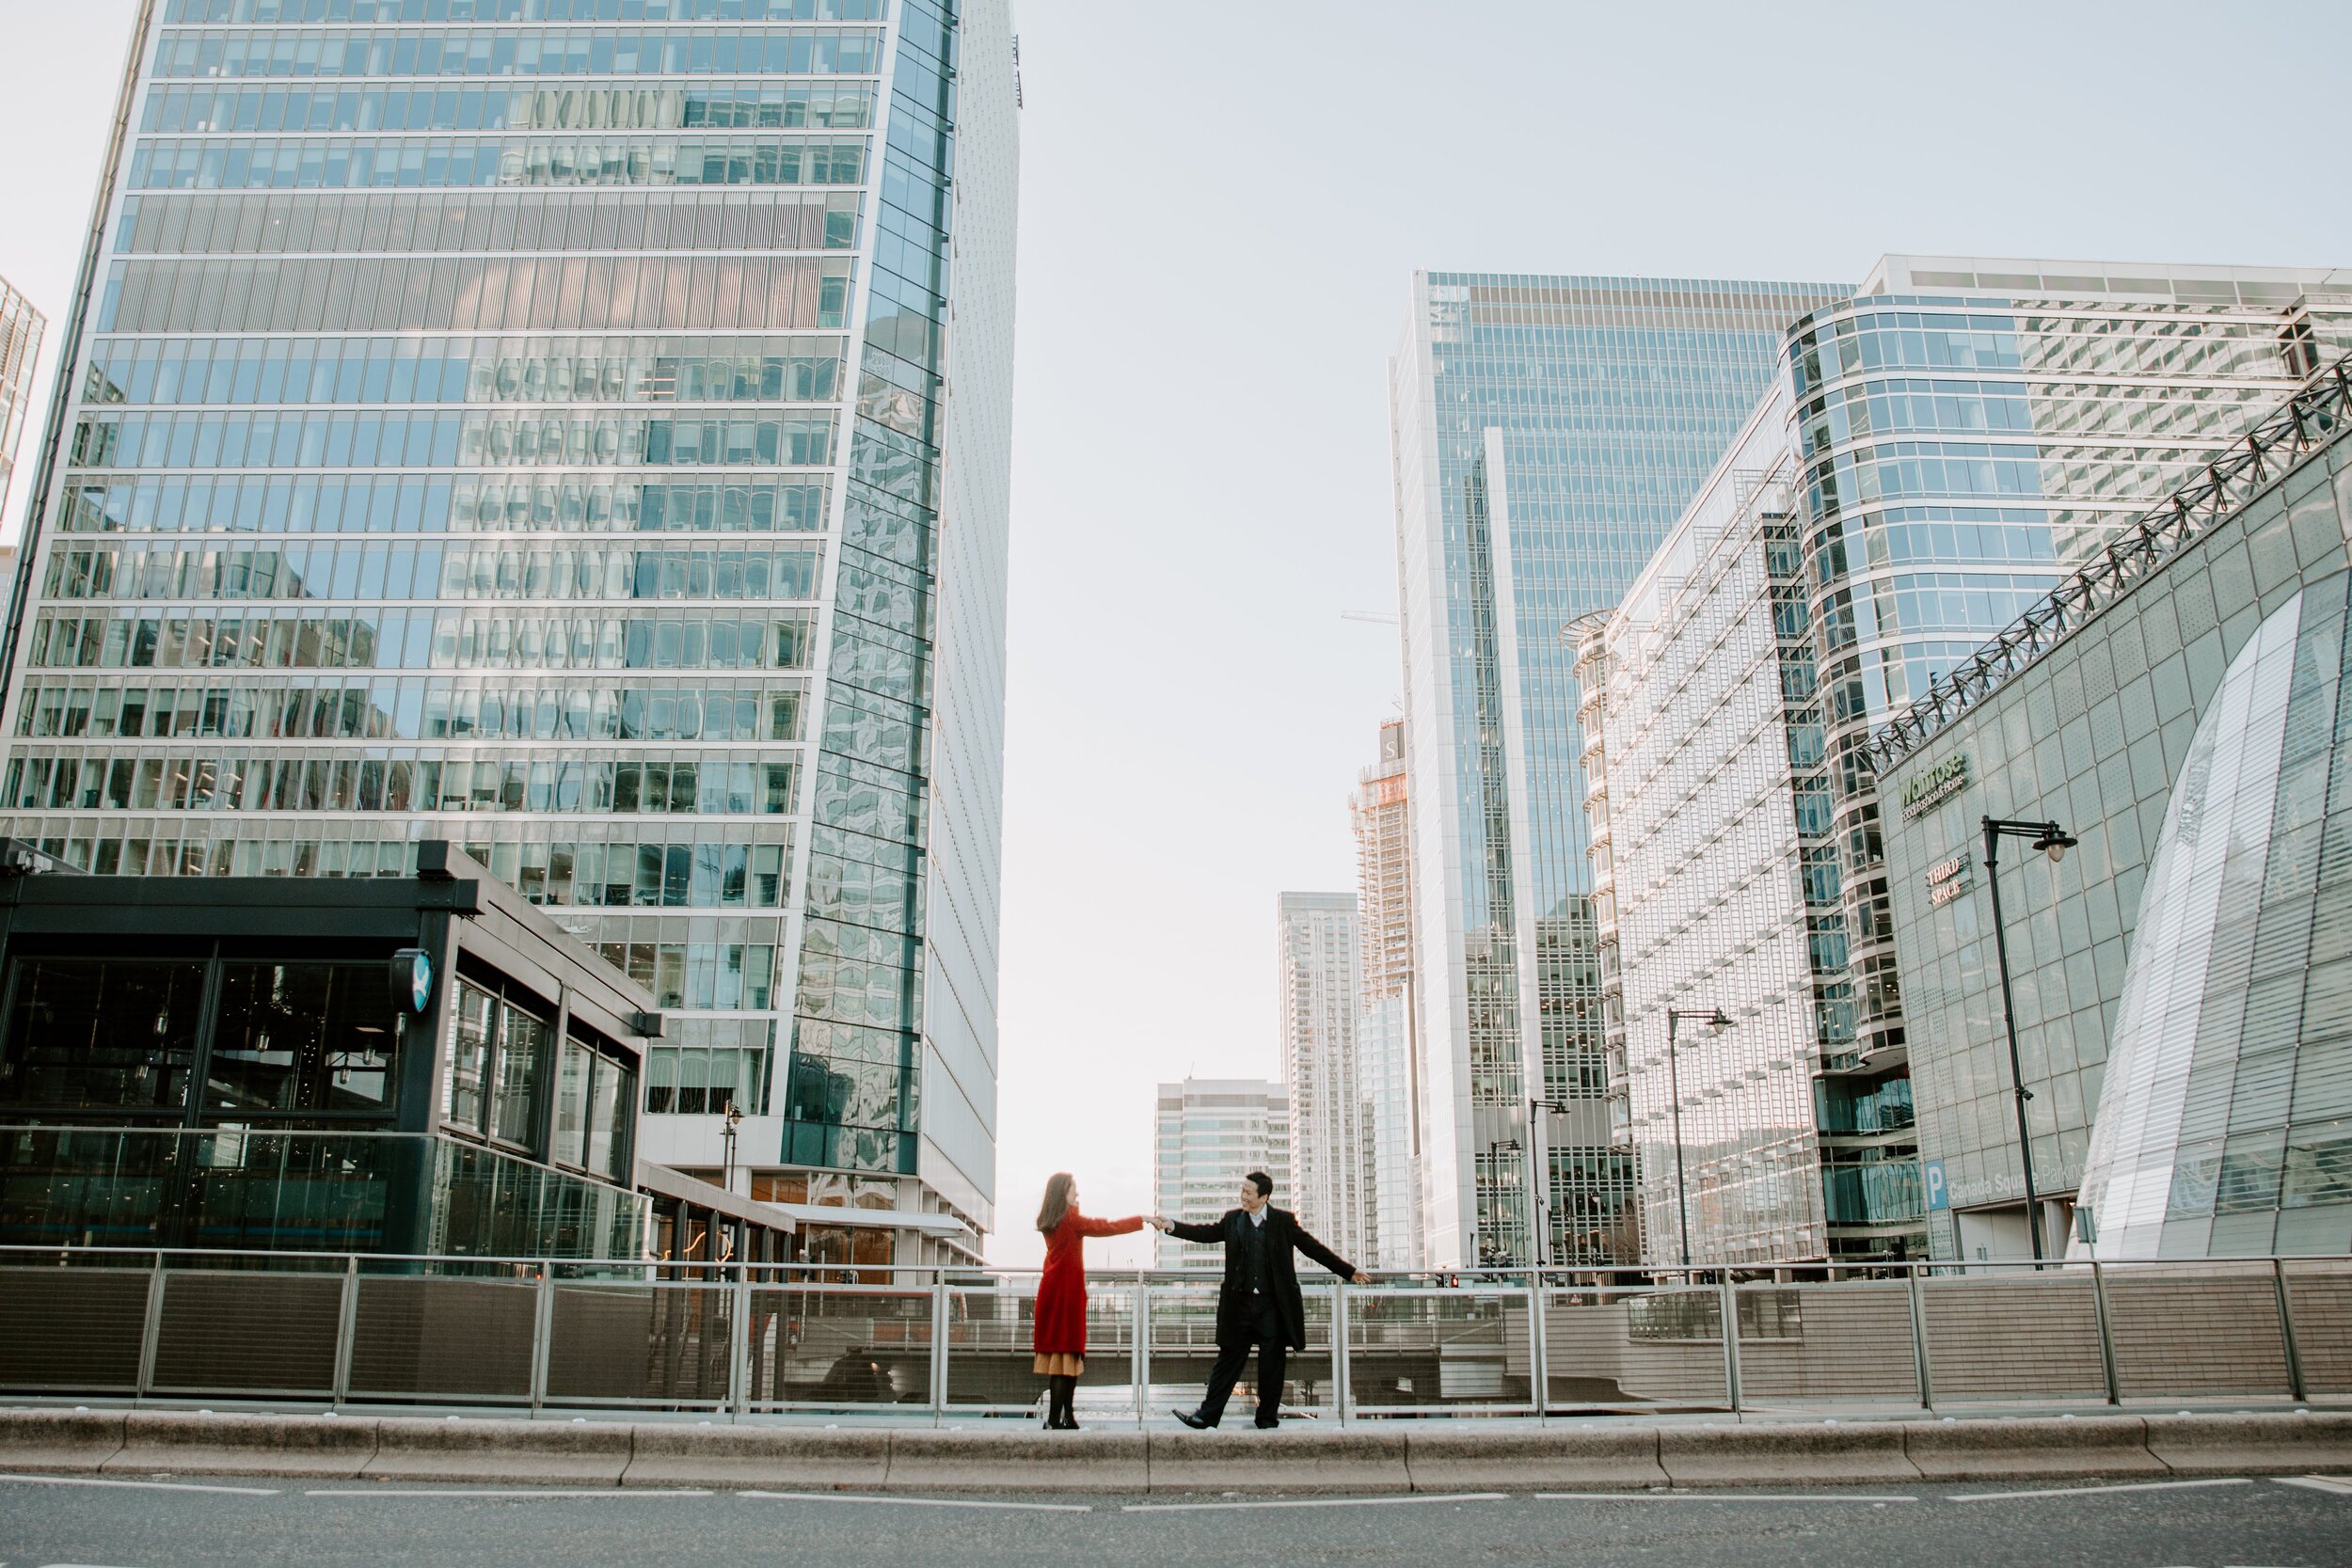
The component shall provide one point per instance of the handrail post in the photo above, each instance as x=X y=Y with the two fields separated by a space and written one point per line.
x=939 y=1346
x=740 y=1344
x=1139 y=1344
x=2107 y=1332
x=1920 y=1337
x=150 y=1330
x=2286 y=1332
x=346 y=1329
x=1538 y=1347
x=1727 y=1296
x=542 y=1331
x=1339 y=1351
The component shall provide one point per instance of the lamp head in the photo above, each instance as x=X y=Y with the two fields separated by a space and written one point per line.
x=1721 y=1020
x=2054 y=840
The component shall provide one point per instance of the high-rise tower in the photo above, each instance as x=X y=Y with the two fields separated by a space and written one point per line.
x=533 y=428
x=1545 y=431
x=1319 y=969
x=1385 y=1043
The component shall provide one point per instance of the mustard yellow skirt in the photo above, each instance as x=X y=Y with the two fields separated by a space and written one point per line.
x=1062 y=1365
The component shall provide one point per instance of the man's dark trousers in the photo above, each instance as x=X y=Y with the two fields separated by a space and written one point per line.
x=1273 y=1354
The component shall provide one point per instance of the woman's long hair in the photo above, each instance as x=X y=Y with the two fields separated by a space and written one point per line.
x=1057 y=1204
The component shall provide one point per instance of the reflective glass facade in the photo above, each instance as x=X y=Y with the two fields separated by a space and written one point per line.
x=2178 y=979
x=1958 y=452
x=1547 y=432
x=20 y=327
x=1927 y=469
x=527 y=425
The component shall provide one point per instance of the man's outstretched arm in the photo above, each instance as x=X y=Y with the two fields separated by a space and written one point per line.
x=1324 y=1256
x=1191 y=1233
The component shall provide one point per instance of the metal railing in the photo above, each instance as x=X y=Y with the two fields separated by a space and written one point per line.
x=746 y=1341
x=2289 y=434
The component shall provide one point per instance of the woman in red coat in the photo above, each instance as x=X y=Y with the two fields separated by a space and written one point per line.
x=1060 y=1341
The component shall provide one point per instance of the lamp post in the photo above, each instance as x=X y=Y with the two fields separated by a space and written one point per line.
x=2053 y=841
x=1713 y=1018
x=734 y=1119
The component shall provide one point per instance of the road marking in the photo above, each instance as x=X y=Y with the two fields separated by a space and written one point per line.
x=150 y=1485
x=531 y=1492
x=1726 y=1497
x=914 y=1502
x=2317 y=1484
x=2097 y=1491
x=1318 y=1502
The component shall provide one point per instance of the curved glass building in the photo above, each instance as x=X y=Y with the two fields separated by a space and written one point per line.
x=2228 y=1098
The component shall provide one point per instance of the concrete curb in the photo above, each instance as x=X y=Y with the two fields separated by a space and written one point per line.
x=1443 y=1459
x=2035 y=1447
x=1429 y=1456
x=2235 y=1445
x=1075 y=1461
x=1824 y=1453
x=1289 y=1460
x=784 y=1459
x=578 y=1453
x=59 y=1442
x=306 y=1447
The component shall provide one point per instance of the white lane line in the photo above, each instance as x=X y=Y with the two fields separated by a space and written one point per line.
x=1318 y=1502
x=2098 y=1490
x=914 y=1502
x=1726 y=1497
x=530 y=1492
x=2317 y=1484
x=148 y=1485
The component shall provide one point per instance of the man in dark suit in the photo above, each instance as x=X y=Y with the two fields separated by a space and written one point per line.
x=1259 y=1302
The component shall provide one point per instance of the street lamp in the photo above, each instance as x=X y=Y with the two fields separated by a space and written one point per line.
x=733 y=1113
x=1713 y=1018
x=2054 y=840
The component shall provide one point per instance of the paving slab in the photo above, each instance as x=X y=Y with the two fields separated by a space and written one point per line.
x=2031 y=1448
x=558 y=1453
x=188 y=1441
x=1797 y=1454
x=59 y=1442
x=1474 y=1457
x=786 y=1459
x=2252 y=1444
x=1291 y=1458
x=1034 y=1459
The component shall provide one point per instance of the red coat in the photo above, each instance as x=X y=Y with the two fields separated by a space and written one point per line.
x=1061 y=1290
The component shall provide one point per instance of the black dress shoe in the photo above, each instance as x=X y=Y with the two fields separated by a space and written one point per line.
x=1268 y=1426
x=1192 y=1420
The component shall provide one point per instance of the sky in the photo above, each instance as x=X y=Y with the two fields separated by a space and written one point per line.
x=1222 y=206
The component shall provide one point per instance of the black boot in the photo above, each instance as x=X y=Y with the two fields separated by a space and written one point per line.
x=1063 y=1390
x=1069 y=1404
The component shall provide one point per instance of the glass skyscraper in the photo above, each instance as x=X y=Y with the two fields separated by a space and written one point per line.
x=526 y=422
x=1546 y=431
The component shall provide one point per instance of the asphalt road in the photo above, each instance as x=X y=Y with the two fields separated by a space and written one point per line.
x=2254 y=1523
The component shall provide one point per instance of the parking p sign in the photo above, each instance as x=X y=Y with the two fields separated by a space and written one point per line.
x=1939 y=1195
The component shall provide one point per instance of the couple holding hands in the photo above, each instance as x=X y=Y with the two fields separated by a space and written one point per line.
x=1257 y=1304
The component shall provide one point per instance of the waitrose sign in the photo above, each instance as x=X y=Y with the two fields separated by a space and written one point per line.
x=1931 y=787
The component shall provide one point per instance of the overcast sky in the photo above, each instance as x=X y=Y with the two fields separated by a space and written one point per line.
x=1221 y=206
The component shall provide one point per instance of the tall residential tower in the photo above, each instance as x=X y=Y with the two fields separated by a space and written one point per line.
x=1386 y=1047
x=1319 y=968
x=20 y=350
x=1207 y=1134
x=530 y=425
